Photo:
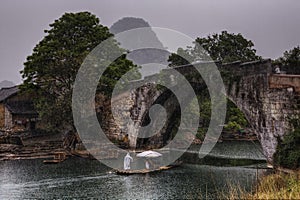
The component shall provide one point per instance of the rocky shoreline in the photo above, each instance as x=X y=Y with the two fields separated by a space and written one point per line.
x=30 y=147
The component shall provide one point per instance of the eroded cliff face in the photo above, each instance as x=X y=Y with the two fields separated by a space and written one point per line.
x=105 y=117
x=114 y=116
x=269 y=111
x=125 y=113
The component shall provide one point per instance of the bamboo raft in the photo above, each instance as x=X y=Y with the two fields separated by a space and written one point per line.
x=99 y=154
x=145 y=171
x=58 y=157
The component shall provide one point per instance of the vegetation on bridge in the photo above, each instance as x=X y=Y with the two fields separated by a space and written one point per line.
x=290 y=61
x=223 y=47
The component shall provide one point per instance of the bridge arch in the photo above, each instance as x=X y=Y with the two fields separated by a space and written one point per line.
x=267 y=103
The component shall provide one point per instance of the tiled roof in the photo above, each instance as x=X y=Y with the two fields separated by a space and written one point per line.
x=7 y=92
x=21 y=107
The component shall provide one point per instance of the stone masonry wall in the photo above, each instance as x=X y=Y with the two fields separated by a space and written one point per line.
x=2 y=116
x=8 y=119
x=268 y=110
x=285 y=81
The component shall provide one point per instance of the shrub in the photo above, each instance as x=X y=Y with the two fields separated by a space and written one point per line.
x=288 y=151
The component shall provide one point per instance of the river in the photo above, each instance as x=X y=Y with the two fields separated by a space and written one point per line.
x=81 y=178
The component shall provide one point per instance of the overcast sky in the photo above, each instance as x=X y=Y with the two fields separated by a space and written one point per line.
x=273 y=25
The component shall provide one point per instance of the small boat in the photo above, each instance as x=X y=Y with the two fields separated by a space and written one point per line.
x=145 y=171
x=54 y=161
x=58 y=157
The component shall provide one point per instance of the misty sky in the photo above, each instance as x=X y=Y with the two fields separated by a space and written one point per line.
x=273 y=25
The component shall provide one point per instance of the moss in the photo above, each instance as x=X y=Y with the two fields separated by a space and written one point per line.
x=229 y=78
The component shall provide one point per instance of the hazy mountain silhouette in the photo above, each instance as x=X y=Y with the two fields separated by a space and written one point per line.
x=128 y=23
x=6 y=83
x=146 y=37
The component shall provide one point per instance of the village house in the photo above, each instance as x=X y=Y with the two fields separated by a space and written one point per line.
x=16 y=110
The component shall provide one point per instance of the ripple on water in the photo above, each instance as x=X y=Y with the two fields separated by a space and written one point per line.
x=79 y=178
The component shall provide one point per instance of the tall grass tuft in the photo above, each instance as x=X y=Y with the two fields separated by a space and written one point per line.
x=274 y=186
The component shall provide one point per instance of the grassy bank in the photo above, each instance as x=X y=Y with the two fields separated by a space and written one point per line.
x=274 y=186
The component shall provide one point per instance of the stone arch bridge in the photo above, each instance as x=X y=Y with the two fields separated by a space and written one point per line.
x=269 y=101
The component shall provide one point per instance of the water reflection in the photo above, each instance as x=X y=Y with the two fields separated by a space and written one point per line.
x=77 y=178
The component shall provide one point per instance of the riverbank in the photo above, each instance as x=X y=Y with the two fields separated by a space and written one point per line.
x=32 y=147
x=274 y=186
x=17 y=146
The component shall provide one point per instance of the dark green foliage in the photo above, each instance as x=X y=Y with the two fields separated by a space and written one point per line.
x=224 y=47
x=288 y=151
x=51 y=70
x=201 y=133
x=235 y=119
x=227 y=47
x=114 y=72
x=290 y=61
x=182 y=57
x=205 y=114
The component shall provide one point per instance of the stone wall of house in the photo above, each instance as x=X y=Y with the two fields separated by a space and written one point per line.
x=279 y=81
x=8 y=119
x=20 y=104
x=20 y=122
x=2 y=116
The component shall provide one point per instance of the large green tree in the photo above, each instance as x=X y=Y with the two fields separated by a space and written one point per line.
x=290 y=60
x=51 y=69
x=224 y=47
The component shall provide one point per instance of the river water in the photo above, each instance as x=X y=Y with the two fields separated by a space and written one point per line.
x=80 y=178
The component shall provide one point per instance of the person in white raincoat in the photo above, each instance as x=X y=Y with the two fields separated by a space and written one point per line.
x=127 y=160
x=147 y=164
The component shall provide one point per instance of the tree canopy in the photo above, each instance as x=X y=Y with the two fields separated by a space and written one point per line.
x=223 y=47
x=290 y=60
x=51 y=69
